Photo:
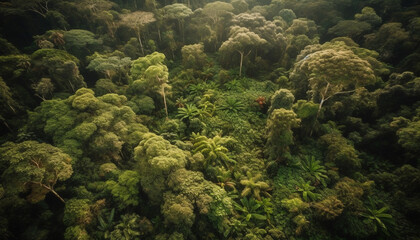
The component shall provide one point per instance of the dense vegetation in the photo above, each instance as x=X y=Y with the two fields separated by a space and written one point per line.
x=242 y=119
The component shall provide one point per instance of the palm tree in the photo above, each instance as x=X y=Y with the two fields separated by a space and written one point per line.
x=232 y=105
x=250 y=209
x=306 y=189
x=256 y=187
x=314 y=169
x=212 y=149
x=188 y=112
x=106 y=227
x=378 y=217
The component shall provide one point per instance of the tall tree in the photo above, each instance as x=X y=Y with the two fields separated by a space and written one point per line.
x=151 y=75
x=138 y=21
x=243 y=41
x=179 y=12
x=34 y=166
x=333 y=71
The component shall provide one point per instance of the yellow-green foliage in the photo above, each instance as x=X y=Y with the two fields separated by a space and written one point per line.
x=77 y=212
x=178 y=210
x=76 y=233
x=126 y=190
x=340 y=152
x=33 y=166
x=329 y=208
x=84 y=125
x=279 y=132
x=350 y=192
x=295 y=205
x=157 y=158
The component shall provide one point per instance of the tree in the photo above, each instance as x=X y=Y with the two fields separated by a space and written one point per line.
x=6 y=96
x=110 y=64
x=212 y=149
x=43 y=88
x=340 y=152
x=242 y=41
x=34 y=166
x=152 y=74
x=324 y=70
x=217 y=11
x=60 y=66
x=282 y=98
x=81 y=42
x=350 y=28
x=137 y=21
x=329 y=208
x=252 y=184
x=368 y=15
x=37 y=6
x=126 y=190
x=387 y=40
x=279 y=132
x=288 y=15
x=179 y=12
x=193 y=56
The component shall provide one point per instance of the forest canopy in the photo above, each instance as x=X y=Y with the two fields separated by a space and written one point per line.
x=230 y=119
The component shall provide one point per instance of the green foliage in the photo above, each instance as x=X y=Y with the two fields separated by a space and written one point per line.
x=106 y=226
x=33 y=166
x=409 y=137
x=329 y=208
x=60 y=66
x=81 y=42
x=295 y=205
x=77 y=212
x=306 y=189
x=252 y=185
x=243 y=41
x=341 y=153
x=188 y=112
x=193 y=56
x=288 y=15
x=126 y=190
x=213 y=149
x=282 y=98
x=76 y=233
x=128 y=228
x=86 y=126
x=349 y=192
x=110 y=65
x=157 y=158
x=379 y=217
x=250 y=210
x=315 y=170
x=279 y=132
x=232 y=105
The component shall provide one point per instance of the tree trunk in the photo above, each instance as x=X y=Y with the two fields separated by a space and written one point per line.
x=141 y=44
x=164 y=101
x=56 y=194
x=158 y=30
x=240 y=64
